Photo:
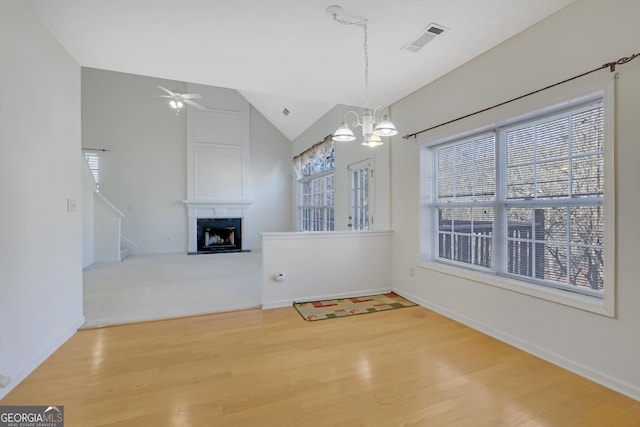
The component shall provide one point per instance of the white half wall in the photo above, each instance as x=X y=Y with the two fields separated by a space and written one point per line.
x=41 y=193
x=324 y=265
x=568 y=43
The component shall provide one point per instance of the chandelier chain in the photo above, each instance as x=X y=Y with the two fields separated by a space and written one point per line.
x=363 y=24
x=372 y=128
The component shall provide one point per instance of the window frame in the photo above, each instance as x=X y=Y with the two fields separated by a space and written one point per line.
x=328 y=220
x=316 y=164
x=361 y=216
x=600 y=303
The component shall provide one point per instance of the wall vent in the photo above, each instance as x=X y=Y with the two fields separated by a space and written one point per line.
x=425 y=36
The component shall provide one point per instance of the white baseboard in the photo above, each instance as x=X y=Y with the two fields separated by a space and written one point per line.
x=48 y=350
x=289 y=302
x=596 y=376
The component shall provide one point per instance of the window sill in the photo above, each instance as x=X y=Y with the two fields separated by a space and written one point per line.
x=285 y=235
x=602 y=306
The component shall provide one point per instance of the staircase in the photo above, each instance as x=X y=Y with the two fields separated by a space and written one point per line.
x=107 y=238
x=102 y=238
x=127 y=247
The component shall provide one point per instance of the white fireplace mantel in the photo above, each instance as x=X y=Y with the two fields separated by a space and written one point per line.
x=218 y=162
x=214 y=203
x=217 y=208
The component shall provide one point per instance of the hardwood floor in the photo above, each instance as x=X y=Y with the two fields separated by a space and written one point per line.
x=407 y=367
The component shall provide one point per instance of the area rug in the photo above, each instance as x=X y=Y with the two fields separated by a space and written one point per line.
x=331 y=309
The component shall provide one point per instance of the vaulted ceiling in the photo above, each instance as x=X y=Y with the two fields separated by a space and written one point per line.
x=287 y=53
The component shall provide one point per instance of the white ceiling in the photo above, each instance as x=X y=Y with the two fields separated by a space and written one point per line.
x=286 y=53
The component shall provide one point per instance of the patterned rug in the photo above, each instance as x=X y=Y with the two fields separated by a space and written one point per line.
x=331 y=309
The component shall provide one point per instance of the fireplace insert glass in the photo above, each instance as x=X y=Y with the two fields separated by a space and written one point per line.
x=219 y=235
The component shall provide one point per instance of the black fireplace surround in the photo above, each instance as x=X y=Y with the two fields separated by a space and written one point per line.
x=219 y=235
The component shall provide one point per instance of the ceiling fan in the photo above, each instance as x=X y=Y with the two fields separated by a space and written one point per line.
x=178 y=100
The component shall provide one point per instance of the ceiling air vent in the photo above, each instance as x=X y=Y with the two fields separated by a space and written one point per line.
x=424 y=37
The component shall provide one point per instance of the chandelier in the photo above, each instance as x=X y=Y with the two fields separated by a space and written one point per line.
x=372 y=127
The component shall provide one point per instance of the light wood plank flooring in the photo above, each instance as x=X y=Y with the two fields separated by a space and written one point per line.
x=406 y=367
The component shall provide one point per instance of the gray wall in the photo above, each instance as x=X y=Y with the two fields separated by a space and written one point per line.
x=145 y=170
x=568 y=43
x=271 y=178
x=41 y=253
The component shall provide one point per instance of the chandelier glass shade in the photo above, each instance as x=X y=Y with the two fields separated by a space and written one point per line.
x=372 y=129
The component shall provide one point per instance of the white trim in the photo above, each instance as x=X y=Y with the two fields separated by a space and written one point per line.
x=610 y=196
x=359 y=167
x=288 y=235
x=308 y=178
x=213 y=203
x=601 y=378
x=44 y=354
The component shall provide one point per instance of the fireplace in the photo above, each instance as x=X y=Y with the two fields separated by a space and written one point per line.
x=219 y=235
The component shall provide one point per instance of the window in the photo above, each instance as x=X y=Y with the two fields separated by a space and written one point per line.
x=525 y=201
x=316 y=183
x=93 y=160
x=465 y=199
x=316 y=207
x=361 y=216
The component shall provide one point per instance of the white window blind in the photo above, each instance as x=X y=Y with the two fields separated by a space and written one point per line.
x=554 y=200
x=93 y=160
x=465 y=199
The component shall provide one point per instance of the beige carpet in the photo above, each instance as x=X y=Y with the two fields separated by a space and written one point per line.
x=150 y=287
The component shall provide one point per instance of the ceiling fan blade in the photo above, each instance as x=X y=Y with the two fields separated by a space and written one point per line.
x=193 y=104
x=190 y=96
x=164 y=96
x=167 y=90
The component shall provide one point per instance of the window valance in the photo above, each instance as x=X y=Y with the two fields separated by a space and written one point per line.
x=318 y=158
